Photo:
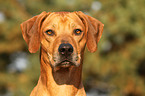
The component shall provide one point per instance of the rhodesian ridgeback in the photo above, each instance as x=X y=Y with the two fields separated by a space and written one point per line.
x=63 y=37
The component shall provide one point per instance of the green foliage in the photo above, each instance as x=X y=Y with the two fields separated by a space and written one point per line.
x=113 y=68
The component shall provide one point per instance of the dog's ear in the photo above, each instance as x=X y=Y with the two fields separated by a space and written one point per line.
x=30 y=31
x=94 y=30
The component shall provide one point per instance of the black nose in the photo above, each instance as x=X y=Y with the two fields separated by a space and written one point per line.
x=65 y=49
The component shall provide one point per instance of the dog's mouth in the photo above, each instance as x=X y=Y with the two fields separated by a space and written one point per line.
x=65 y=64
x=59 y=61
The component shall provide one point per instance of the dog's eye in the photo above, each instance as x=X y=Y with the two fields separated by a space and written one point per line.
x=77 y=31
x=49 y=32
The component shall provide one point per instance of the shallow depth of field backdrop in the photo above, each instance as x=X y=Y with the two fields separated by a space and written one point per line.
x=116 y=69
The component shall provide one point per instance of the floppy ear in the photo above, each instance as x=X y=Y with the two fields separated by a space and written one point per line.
x=30 y=31
x=94 y=30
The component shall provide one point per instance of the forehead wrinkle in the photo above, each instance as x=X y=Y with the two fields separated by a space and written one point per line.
x=76 y=24
x=76 y=19
x=70 y=19
x=50 y=17
x=51 y=20
x=63 y=18
x=73 y=25
x=53 y=25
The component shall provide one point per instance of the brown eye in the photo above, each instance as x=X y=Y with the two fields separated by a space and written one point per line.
x=77 y=31
x=49 y=32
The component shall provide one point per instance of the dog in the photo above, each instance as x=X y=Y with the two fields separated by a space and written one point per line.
x=62 y=37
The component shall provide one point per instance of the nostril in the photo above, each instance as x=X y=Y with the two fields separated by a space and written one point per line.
x=70 y=50
x=62 y=49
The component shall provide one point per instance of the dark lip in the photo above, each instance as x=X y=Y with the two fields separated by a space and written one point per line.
x=65 y=63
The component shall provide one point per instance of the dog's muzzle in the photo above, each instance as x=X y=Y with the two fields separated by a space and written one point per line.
x=65 y=52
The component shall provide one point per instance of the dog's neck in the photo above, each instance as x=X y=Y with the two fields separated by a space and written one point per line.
x=63 y=80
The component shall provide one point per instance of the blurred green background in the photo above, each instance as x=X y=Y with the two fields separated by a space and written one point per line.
x=116 y=69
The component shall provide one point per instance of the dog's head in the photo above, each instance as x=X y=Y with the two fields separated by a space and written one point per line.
x=62 y=35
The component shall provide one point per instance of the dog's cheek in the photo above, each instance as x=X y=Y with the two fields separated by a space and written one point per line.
x=45 y=45
x=82 y=45
x=55 y=54
x=77 y=59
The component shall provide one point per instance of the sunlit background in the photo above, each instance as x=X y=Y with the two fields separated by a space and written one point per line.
x=116 y=69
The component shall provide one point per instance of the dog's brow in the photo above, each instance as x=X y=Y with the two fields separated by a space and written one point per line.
x=73 y=25
x=53 y=25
